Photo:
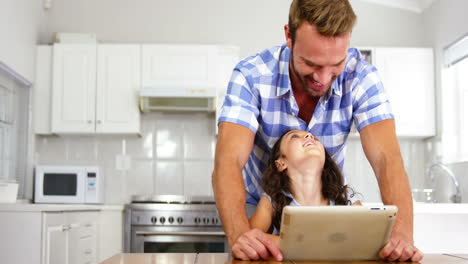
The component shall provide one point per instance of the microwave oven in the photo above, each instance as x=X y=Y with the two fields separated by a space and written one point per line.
x=69 y=184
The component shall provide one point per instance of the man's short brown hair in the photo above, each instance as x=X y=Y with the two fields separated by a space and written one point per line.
x=331 y=17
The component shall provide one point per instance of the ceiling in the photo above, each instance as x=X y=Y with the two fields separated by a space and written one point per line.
x=417 y=6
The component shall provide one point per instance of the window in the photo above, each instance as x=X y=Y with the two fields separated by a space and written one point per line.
x=14 y=109
x=455 y=102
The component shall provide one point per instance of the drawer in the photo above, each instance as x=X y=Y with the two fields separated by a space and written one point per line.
x=53 y=219
x=87 y=248
x=81 y=217
x=88 y=229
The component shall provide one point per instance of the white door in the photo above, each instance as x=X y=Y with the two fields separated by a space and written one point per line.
x=55 y=239
x=408 y=78
x=73 y=88
x=118 y=84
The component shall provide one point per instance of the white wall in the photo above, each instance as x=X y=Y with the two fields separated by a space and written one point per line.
x=20 y=23
x=445 y=22
x=252 y=25
x=385 y=26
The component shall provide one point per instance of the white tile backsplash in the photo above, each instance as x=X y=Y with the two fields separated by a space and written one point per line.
x=362 y=179
x=197 y=177
x=51 y=150
x=82 y=148
x=169 y=137
x=198 y=144
x=140 y=178
x=169 y=178
x=171 y=148
x=174 y=155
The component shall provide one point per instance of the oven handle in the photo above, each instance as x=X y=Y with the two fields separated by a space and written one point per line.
x=141 y=233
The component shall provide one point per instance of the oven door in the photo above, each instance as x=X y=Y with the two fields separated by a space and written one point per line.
x=178 y=240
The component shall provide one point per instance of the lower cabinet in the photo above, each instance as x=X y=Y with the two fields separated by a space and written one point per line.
x=70 y=237
x=81 y=236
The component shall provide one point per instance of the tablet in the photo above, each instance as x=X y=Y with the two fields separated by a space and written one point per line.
x=335 y=232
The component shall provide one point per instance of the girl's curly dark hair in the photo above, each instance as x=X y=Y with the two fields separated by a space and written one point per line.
x=275 y=183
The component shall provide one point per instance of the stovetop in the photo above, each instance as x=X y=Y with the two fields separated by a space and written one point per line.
x=172 y=199
x=173 y=210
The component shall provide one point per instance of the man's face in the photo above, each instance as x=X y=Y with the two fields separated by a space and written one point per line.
x=316 y=60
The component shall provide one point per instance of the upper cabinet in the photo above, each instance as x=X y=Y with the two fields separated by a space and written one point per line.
x=185 y=77
x=91 y=89
x=408 y=78
x=118 y=84
x=188 y=67
x=74 y=88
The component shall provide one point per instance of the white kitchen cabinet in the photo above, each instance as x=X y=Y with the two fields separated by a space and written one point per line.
x=55 y=239
x=64 y=234
x=197 y=74
x=408 y=78
x=73 y=88
x=95 y=88
x=118 y=83
x=167 y=66
x=110 y=233
x=70 y=237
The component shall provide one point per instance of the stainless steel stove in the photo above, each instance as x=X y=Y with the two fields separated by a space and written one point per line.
x=171 y=223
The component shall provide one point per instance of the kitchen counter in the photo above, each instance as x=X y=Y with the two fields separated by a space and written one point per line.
x=32 y=207
x=225 y=258
x=27 y=206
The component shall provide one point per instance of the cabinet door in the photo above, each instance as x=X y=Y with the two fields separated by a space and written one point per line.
x=82 y=236
x=74 y=88
x=408 y=77
x=55 y=239
x=118 y=84
x=189 y=67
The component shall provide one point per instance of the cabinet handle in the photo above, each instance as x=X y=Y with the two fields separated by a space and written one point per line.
x=99 y=121
x=88 y=251
x=89 y=121
x=88 y=225
x=66 y=228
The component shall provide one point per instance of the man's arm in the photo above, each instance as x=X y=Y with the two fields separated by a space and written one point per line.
x=381 y=147
x=235 y=143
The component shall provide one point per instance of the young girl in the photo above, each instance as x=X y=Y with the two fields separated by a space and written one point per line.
x=299 y=172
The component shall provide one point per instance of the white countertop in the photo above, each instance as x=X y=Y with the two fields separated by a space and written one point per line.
x=434 y=208
x=440 y=208
x=419 y=208
x=22 y=206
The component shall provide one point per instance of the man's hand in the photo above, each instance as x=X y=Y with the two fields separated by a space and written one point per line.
x=400 y=248
x=255 y=245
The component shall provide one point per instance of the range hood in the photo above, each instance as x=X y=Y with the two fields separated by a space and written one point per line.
x=178 y=98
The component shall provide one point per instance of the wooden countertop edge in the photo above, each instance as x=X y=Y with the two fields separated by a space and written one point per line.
x=225 y=258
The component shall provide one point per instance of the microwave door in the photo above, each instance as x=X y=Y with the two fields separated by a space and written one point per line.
x=61 y=187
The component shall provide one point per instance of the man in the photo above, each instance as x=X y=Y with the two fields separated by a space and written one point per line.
x=313 y=83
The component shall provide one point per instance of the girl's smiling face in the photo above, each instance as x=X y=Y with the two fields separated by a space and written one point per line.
x=300 y=147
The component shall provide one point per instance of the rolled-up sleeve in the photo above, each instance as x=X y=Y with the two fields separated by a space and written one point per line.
x=370 y=103
x=241 y=103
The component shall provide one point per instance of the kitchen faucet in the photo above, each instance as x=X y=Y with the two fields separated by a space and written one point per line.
x=456 y=198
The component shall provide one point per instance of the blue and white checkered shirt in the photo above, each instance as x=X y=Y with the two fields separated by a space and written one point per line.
x=260 y=98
